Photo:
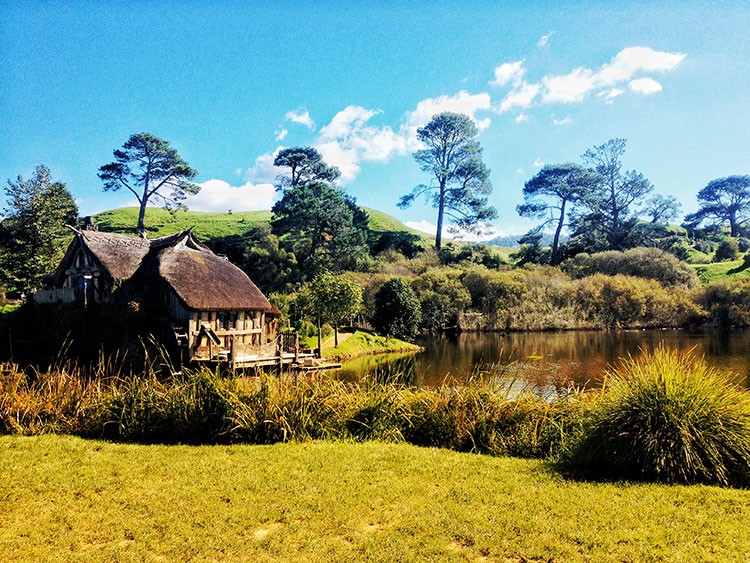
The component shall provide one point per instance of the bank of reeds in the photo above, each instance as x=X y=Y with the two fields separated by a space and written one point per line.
x=665 y=416
x=202 y=407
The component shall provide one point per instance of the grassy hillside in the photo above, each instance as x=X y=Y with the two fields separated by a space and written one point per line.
x=721 y=270
x=206 y=225
x=72 y=499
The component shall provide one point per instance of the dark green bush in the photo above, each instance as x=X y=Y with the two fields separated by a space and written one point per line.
x=397 y=311
x=727 y=302
x=728 y=249
x=667 y=417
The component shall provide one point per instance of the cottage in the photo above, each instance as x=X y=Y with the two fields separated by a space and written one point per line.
x=209 y=306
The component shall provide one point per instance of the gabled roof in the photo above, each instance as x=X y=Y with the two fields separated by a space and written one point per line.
x=200 y=278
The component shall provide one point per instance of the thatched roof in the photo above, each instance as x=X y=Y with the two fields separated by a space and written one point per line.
x=202 y=279
x=120 y=255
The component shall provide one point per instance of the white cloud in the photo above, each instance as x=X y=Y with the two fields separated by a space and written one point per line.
x=567 y=120
x=645 y=86
x=520 y=171
x=300 y=116
x=538 y=163
x=463 y=102
x=544 y=39
x=576 y=85
x=521 y=117
x=349 y=139
x=608 y=81
x=263 y=171
x=522 y=96
x=508 y=72
x=218 y=195
x=281 y=134
x=610 y=95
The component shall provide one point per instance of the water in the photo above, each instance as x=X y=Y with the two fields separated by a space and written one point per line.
x=548 y=360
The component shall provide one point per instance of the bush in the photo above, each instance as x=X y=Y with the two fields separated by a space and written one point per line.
x=650 y=263
x=728 y=249
x=667 y=417
x=727 y=302
x=397 y=310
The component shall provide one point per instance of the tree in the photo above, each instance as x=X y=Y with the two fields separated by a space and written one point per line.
x=724 y=200
x=610 y=206
x=306 y=166
x=442 y=297
x=662 y=209
x=322 y=226
x=34 y=232
x=462 y=182
x=148 y=167
x=335 y=298
x=397 y=310
x=565 y=185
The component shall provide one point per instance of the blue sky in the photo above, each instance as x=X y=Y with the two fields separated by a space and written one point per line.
x=229 y=83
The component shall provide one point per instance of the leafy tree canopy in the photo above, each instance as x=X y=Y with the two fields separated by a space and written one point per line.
x=33 y=234
x=150 y=169
x=324 y=228
x=335 y=298
x=553 y=191
x=723 y=201
x=397 y=310
x=609 y=208
x=305 y=165
x=461 y=180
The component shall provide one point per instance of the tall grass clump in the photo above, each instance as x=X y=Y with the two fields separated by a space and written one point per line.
x=667 y=416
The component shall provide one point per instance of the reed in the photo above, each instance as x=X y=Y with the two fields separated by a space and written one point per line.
x=668 y=417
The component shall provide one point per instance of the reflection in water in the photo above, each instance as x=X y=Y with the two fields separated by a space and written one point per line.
x=547 y=359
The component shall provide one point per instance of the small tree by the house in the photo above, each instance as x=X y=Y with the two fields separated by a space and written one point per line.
x=334 y=298
x=397 y=310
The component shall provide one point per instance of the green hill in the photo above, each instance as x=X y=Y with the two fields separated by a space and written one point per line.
x=207 y=225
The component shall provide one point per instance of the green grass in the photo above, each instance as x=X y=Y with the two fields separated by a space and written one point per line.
x=363 y=342
x=64 y=498
x=159 y=222
x=721 y=270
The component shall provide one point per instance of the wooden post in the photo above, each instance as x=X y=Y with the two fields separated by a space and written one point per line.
x=320 y=340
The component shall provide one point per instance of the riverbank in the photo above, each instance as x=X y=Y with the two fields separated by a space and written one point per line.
x=68 y=498
x=354 y=343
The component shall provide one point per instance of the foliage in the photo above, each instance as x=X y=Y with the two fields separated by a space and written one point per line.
x=306 y=166
x=609 y=220
x=334 y=299
x=727 y=302
x=397 y=311
x=565 y=185
x=668 y=417
x=454 y=159
x=148 y=167
x=649 y=263
x=728 y=249
x=442 y=297
x=33 y=234
x=482 y=254
x=662 y=209
x=722 y=201
x=531 y=251
x=494 y=293
x=323 y=227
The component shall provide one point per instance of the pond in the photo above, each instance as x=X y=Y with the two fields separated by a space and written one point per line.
x=547 y=361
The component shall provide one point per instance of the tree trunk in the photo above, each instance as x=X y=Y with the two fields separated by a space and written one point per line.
x=336 y=335
x=320 y=340
x=556 y=240
x=441 y=211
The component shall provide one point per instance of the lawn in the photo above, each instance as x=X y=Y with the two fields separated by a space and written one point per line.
x=64 y=498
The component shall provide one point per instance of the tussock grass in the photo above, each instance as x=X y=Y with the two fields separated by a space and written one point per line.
x=669 y=417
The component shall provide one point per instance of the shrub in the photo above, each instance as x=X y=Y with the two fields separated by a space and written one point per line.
x=728 y=249
x=397 y=310
x=650 y=263
x=442 y=297
x=667 y=417
x=727 y=302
